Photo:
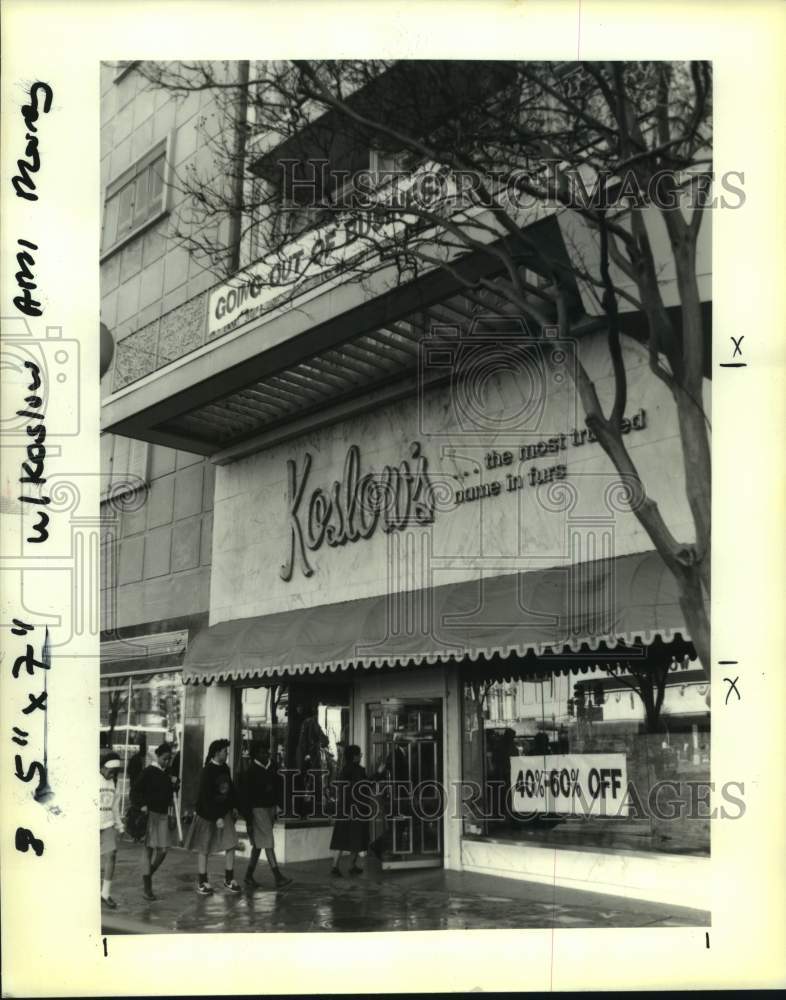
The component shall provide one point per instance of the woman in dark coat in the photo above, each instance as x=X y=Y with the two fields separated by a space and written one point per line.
x=213 y=829
x=350 y=832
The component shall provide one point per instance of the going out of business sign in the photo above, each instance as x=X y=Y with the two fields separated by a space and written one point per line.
x=353 y=240
x=577 y=784
x=263 y=285
x=354 y=244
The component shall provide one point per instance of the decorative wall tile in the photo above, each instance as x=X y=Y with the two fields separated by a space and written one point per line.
x=210 y=485
x=152 y=283
x=134 y=521
x=188 y=492
x=163 y=119
x=162 y=461
x=128 y=301
x=174 y=299
x=187 y=107
x=130 y=259
x=130 y=568
x=182 y=330
x=186 y=140
x=148 y=314
x=121 y=158
x=125 y=89
x=109 y=310
x=207 y=539
x=185 y=544
x=107 y=138
x=201 y=282
x=135 y=356
x=110 y=274
x=154 y=243
x=123 y=122
x=158 y=544
x=141 y=139
x=188 y=458
x=176 y=268
x=161 y=501
x=107 y=83
x=143 y=106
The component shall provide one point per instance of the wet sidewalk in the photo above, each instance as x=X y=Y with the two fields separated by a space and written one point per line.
x=418 y=900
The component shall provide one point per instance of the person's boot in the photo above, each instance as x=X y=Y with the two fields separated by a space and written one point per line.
x=203 y=887
x=229 y=881
x=281 y=879
x=147 y=891
x=249 y=881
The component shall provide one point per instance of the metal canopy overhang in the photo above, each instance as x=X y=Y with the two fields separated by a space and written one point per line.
x=305 y=358
x=607 y=610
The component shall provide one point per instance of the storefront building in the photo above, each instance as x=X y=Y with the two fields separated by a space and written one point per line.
x=417 y=547
x=156 y=520
x=479 y=637
x=156 y=500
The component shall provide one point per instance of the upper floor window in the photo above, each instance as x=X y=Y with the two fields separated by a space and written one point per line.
x=311 y=193
x=135 y=199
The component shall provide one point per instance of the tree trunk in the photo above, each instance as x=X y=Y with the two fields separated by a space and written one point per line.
x=650 y=691
x=698 y=477
x=689 y=575
x=694 y=609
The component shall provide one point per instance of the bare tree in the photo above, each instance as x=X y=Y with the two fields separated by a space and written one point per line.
x=610 y=147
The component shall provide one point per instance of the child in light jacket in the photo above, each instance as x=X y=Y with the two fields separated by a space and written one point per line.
x=110 y=823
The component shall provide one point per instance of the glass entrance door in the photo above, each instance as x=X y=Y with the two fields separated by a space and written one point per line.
x=405 y=759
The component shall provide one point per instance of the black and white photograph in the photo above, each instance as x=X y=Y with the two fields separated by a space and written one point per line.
x=392 y=548
x=406 y=493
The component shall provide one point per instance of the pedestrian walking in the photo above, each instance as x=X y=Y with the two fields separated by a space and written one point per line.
x=110 y=823
x=261 y=794
x=213 y=827
x=137 y=763
x=153 y=793
x=350 y=832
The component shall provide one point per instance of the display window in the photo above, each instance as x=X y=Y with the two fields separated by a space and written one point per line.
x=588 y=758
x=139 y=712
x=306 y=728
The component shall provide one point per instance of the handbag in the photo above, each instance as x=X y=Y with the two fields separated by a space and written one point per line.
x=136 y=823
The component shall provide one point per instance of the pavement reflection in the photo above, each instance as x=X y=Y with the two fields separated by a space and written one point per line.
x=431 y=899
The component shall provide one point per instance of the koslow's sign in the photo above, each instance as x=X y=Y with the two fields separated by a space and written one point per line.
x=353 y=507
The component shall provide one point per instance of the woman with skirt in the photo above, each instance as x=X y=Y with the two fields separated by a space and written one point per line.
x=152 y=793
x=350 y=832
x=213 y=828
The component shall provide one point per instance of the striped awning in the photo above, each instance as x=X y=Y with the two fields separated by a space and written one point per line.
x=613 y=603
x=144 y=653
